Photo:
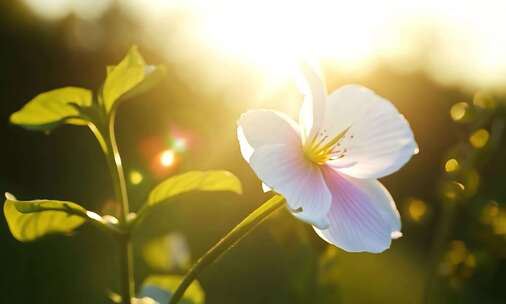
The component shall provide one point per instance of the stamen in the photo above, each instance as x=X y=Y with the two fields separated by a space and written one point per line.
x=319 y=153
x=316 y=144
x=334 y=141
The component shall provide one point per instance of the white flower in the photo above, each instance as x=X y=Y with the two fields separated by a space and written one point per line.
x=327 y=165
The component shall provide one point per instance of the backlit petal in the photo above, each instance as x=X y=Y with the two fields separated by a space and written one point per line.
x=362 y=217
x=285 y=169
x=265 y=127
x=312 y=86
x=379 y=140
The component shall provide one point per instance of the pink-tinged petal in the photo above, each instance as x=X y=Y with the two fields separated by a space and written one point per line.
x=285 y=169
x=320 y=222
x=379 y=140
x=312 y=86
x=362 y=217
x=265 y=127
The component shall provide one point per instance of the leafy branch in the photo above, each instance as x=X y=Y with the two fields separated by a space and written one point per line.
x=31 y=220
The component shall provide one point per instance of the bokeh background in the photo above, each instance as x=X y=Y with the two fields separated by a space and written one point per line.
x=442 y=63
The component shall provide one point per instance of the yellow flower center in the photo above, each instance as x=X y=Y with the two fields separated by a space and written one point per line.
x=319 y=150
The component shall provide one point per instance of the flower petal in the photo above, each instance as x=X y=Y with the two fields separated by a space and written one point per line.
x=285 y=169
x=379 y=140
x=265 y=127
x=266 y=188
x=312 y=86
x=363 y=216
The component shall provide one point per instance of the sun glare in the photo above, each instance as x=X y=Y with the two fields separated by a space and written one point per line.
x=272 y=34
x=355 y=36
x=453 y=41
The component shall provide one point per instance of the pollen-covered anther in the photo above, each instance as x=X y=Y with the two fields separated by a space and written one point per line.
x=319 y=150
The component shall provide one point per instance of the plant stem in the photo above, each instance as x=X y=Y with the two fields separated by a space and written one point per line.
x=227 y=242
x=117 y=170
x=127 y=273
x=120 y=189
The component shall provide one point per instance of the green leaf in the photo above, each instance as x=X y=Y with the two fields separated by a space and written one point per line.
x=161 y=288
x=30 y=220
x=129 y=78
x=216 y=180
x=50 y=109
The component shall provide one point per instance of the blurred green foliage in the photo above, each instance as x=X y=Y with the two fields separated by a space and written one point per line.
x=30 y=220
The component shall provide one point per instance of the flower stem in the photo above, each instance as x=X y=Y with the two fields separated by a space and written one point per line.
x=120 y=189
x=227 y=242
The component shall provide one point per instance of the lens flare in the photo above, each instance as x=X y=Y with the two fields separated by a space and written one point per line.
x=167 y=158
x=484 y=101
x=458 y=111
x=452 y=165
x=479 y=138
x=135 y=177
x=179 y=144
x=417 y=209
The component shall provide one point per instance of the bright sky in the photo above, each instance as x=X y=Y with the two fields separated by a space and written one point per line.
x=457 y=42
